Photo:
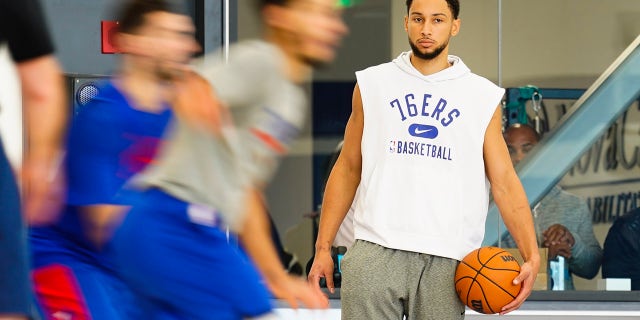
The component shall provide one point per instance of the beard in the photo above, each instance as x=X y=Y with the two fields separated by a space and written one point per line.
x=427 y=55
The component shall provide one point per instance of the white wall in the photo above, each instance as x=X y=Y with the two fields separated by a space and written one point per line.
x=549 y=43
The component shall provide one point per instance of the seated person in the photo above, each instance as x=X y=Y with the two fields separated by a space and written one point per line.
x=562 y=220
x=621 y=257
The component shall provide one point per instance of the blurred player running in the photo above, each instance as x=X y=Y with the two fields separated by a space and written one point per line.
x=112 y=138
x=181 y=266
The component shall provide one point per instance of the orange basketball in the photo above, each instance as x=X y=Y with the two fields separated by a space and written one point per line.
x=484 y=279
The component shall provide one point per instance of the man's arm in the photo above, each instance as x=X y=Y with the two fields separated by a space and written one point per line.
x=339 y=193
x=586 y=254
x=45 y=117
x=511 y=200
x=255 y=236
x=196 y=102
x=100 y=221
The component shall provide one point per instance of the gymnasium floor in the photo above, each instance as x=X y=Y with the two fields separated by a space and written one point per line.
x=531 y=310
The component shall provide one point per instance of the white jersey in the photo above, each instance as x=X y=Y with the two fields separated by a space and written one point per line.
x=423 y=186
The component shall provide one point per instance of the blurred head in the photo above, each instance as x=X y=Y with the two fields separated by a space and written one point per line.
x=520 y=139
x=309 y=30
x=430 y=24
x=158 y=35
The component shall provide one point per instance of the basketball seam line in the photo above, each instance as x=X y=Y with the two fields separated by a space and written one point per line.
x=478 y=272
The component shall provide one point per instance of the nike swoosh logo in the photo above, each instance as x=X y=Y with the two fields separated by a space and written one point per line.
x=423 y=131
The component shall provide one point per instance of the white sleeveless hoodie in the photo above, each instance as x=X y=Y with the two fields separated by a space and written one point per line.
x=423 y=186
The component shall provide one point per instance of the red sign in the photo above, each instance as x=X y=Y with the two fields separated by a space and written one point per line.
x=108 y=35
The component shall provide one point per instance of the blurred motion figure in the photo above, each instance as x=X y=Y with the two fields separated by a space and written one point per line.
x=112 y=138
x=205 y=183
x=23 y=30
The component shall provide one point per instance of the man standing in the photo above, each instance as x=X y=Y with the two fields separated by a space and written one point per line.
x=22 y=27
x=424 y=144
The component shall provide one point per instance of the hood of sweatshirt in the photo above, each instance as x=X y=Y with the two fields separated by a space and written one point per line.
x=456 y=70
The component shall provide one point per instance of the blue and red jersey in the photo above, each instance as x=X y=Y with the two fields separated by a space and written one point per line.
x=109 y=141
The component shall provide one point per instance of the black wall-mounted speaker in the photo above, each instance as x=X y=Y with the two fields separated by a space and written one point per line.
x=83 y=88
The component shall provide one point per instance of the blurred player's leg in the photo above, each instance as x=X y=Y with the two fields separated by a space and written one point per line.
x=13 y=249
x=76 y=290
x=183 y=269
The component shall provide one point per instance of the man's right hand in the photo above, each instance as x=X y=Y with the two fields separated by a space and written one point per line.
x=295 y=290
x=559 y=240
x=322 y=267
x=558 y=249
x=44 y=188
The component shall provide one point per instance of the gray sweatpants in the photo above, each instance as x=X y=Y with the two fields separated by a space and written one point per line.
x=383 y=283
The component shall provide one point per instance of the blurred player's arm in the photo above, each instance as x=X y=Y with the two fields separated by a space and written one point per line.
x=255 y=236
x=511 y=200
x=45 y=117
x=100 y=221
x=196 y=102
x=339 y=193
x=238 y=82
x=93 y=163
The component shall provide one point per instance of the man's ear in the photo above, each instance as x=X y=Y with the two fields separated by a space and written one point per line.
x=455 y=28
x=406 y=23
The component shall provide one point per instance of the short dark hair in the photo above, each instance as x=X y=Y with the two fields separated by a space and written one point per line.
x=131 y=13
x=524 y=126
x=454 y=6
